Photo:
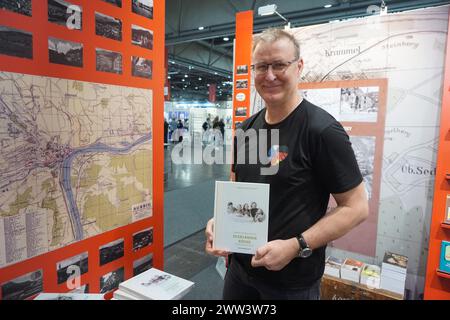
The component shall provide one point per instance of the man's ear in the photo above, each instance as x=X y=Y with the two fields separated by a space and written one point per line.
x=300 y=66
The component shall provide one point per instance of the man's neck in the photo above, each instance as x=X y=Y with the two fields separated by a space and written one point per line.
x=277 y=113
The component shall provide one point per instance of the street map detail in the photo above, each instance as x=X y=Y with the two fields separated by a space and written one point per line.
x=75 y=161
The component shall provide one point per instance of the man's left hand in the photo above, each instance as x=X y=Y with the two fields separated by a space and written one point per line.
x=276 y=254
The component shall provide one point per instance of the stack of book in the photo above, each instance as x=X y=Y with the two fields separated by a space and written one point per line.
x=351 y=270
x=393 y=272
x=333 y=266
x=370 y=276
x=69 y=296
x=153 y=284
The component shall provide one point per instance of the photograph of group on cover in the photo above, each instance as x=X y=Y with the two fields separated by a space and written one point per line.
x=156 y=279
x=246 y=211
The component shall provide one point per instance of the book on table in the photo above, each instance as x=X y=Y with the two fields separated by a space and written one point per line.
x=241 y=216
x=69 y=296
x=154 y=284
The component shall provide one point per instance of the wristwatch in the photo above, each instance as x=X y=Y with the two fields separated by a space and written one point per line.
x=304 y=251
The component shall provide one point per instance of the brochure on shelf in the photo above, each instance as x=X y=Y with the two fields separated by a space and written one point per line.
x=241 y=216
x=444 y=263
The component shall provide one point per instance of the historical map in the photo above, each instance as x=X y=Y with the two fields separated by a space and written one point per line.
x=75 y=161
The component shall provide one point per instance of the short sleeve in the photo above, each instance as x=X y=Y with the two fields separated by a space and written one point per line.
x=335 y=160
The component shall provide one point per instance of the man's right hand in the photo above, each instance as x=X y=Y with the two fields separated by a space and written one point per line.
x=209 y=233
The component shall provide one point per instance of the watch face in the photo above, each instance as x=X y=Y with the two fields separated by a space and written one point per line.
x=306 y=253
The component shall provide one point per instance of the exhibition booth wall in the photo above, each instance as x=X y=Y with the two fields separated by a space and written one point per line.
x=394 y=65
x=81 y=126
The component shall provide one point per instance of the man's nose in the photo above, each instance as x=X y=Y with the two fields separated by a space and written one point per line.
x=270 y=76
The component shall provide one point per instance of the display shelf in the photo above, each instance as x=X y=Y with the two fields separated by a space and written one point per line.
x=442 y=274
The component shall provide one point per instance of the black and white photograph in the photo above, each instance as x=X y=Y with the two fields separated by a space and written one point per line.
x=141 y=37
x=110 y=281
x=80 y=261
x=17 y=6
x=108 y=27
x=108 y=61
x=359 y=104
x=142 y=239
x=143 y=8
x=117 y=3
x=57 y=13
x=111 y=251
x=364 y=148
x=242 y=69
x=241 y=84
x=143 y=264
x=16 y=42
x=240 y=112
x=249 y=211
x=65 y=52
x=141 y=67
x=23 y=287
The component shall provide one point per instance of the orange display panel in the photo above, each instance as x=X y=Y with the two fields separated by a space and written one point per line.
x=437 y=284
x=242 y=62
x=81 y=94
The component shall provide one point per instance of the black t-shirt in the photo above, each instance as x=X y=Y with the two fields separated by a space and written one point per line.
x=314 y=158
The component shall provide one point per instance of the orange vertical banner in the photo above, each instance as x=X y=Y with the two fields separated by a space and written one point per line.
x=437 y=284
x=241 y=67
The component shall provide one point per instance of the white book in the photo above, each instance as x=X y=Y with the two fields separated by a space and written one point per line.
x=155 y=284
x=69 y=296
x=122 y=295
x=241 y=216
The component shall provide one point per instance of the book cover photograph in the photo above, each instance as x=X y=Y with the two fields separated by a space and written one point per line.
x=241 y=216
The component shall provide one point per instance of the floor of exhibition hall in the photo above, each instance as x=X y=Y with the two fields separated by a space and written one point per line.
x=188 y=204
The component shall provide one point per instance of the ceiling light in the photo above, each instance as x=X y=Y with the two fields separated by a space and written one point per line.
x=186 y=76
x=201 y=28
x=168 y=77
x=226 y=39
x=200 y=79
x=328 y=6
x=182 y=80
x=215 y=72
x=271 y=9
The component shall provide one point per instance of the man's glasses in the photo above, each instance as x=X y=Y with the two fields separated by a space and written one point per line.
x=277 y=67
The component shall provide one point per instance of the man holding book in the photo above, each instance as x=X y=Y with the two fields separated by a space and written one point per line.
x=313 y=159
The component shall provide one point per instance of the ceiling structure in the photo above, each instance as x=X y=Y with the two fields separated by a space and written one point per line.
x=195 y=31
